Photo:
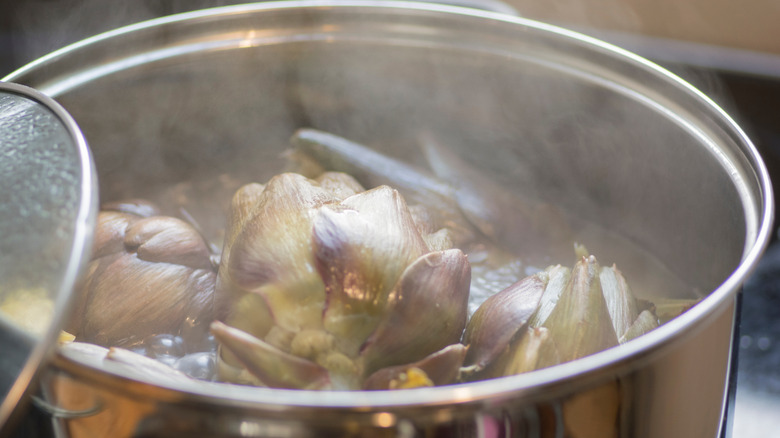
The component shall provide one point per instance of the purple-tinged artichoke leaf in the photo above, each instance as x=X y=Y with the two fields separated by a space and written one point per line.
x=110 y=233
x=500 y=318
x=373 y=169
x=580 y=324
x=426 y=311
x=441 y=368
x=165 y=239
x=361 y=248
x=272 y=366
x=119 y=312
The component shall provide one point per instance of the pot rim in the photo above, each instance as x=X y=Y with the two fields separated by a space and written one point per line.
x=757 y=236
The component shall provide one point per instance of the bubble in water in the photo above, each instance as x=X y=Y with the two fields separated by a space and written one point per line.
x=164 y=345
x=138 y=349
x=198 y=365
x=167 y=359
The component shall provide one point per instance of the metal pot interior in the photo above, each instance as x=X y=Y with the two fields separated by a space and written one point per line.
x=657 y=177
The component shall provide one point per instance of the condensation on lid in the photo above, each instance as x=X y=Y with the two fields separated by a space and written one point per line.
x=48 y=204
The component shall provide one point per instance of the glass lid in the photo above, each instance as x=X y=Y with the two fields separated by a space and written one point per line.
x=48 y=203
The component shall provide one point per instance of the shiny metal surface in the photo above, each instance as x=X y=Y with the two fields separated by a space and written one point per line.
x=609 y=135
x=47 y=212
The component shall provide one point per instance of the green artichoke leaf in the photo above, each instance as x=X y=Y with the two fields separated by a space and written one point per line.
x=274 y=244
x=580 y=323
x=622 y=306
x=362 y=247
x=557 y=276
x=272 y=366
x=272 y=252
x=242 y=207
x=249 y=312
x=340 y=185
x=426 y=311
x=533 y=350
x=669 y=308
x=645 y=322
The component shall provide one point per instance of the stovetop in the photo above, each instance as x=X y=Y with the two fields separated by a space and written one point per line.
x=754 y=101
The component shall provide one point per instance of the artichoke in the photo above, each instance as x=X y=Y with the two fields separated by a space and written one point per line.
x=330 y=286
x=551 y=317
x=149 y=274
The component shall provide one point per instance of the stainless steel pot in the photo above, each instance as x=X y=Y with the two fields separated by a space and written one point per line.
x=611 y=137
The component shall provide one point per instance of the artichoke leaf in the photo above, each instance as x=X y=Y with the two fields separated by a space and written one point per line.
x=125 y=362
x=580 y=323
x=373 y=169
x=242 y=207
x=440 y=368
x=557 y=277
x=668 y=308
x=435 y=284
x=534 y=350
x=645 y=322
x=361 y=247
x=271 y=254
x=340 y=185
x=118 y=306
x=168 y=240
x=621 y=303
x=250 y=313
x=269 y=364
x=274 y=245
x=110 y=233
x=500 y=318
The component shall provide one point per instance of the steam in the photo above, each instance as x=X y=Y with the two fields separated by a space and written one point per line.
x=43 y=26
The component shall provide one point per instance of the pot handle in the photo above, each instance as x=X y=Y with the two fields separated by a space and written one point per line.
x=67 y=414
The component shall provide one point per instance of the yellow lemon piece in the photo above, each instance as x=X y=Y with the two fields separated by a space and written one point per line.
x=411 y=378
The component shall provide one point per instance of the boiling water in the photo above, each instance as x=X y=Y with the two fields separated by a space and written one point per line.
x=492 y=269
